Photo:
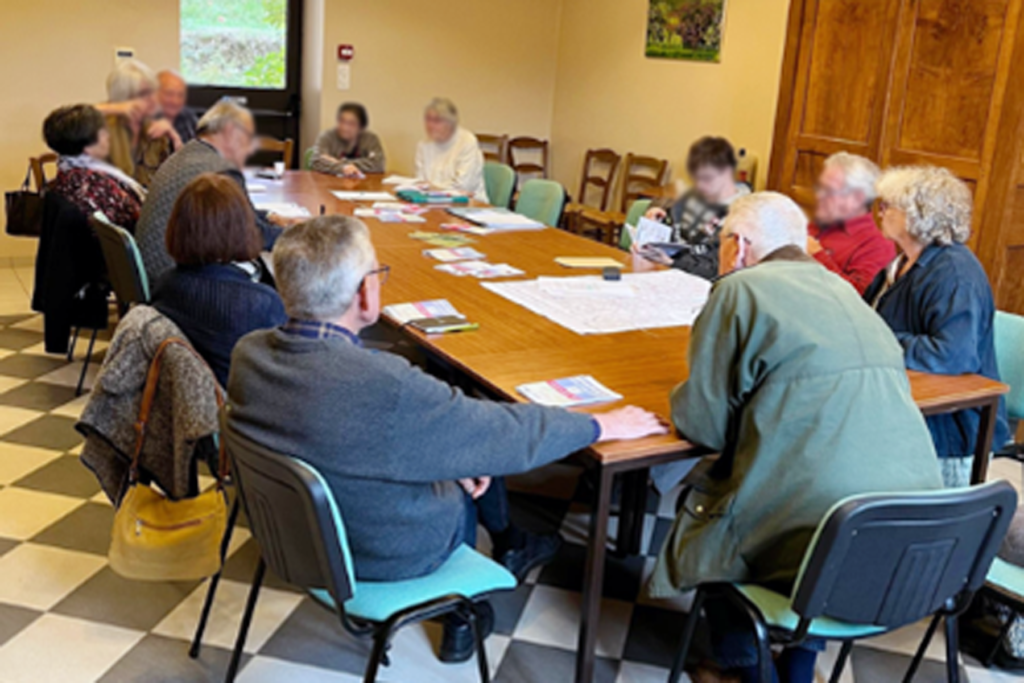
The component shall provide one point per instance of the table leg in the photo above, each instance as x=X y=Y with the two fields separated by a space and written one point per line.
x=983 y=446
x=593 y=578
x=631 y=512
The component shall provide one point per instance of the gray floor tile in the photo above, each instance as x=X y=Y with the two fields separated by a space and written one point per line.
x=530 y=663
x=622 y=577
x=26 y=366
x=508 y=607
x=164 y=660
x=7 y=544
x=653 y=636
x=112 y=599
x=870 y=664
x=86 y=529
x=314 y=636
x=14 y=620
x=242 y=565
x=54 y=432
x=17 y=340
x=38 y=396
x=65 y=475
x=6 y=320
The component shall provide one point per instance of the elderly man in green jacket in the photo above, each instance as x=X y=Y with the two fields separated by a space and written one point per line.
x=802 y=390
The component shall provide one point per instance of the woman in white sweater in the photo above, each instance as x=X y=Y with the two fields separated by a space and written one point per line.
x=450 y=159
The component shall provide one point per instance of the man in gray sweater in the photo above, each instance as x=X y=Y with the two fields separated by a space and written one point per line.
x=225 y=141
x=408 y=458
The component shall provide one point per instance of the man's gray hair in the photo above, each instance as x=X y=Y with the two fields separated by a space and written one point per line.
x=860 y=173
x=937 y=203
x=444 y=108
x=128 y=79
x=769 y=221
x=320 y=265
x=224 y=113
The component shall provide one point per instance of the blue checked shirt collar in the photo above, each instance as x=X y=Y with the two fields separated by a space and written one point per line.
x=317 y=329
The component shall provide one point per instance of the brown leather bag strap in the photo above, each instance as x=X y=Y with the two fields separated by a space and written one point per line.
x=149 y=396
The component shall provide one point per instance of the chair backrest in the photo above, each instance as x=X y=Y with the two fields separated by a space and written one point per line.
x=636 y=210
x=285 y=147
x=641 y=173
x=889 y=560
x=1009 y=334
x=293 y=515
x=542 y=200
x=494 y=147
x=38 y=166
x=599 y=167
x=124 y=262
x=307 y=159
x=501 y=183
x=528 y=157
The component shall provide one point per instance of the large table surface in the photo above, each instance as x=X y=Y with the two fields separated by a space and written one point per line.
x=515 y=346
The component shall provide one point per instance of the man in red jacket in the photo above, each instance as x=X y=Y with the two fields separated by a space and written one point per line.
x=844 y=236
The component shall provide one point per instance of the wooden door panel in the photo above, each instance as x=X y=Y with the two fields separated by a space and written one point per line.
x=951 y=77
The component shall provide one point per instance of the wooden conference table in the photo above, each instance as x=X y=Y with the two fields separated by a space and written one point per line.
x=515 y=346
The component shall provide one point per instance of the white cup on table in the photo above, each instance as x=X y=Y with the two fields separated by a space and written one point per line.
x=279 y=169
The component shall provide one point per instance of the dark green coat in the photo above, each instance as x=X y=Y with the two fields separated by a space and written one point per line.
x=801 y=388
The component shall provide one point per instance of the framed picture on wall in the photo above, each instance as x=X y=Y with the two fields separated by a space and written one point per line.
x=685 y=29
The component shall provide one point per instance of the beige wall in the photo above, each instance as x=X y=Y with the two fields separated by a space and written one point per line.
x=608 y=94
x=495 y=60
x=55 y=52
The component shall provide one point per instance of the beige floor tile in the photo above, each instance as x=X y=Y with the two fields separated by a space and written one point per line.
x=40 y=576
x=16 y=461
x=12 y=418
x=24 y=513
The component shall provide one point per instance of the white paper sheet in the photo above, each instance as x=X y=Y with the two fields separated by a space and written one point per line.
x=648 y=231
x=284 y=209
x=357 y=196
x=668 y=298
x=400 y=180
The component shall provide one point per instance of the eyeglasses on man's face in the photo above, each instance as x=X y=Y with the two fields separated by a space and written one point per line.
x=382 y=273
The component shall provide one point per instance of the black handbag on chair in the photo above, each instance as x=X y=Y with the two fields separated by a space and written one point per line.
x=24 y=209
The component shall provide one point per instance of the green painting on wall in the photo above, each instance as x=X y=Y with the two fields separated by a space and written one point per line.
x=685 y=29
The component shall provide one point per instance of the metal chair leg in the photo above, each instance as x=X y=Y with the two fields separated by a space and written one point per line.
x=952 y=649
x=377 y=655
x=71 y=345
x=243 y=628
x=915 y=663
x=211 y=591
x=844 y=655
x=687 y=638
x=85 y=365
x=1003 y=632
x=481 y=651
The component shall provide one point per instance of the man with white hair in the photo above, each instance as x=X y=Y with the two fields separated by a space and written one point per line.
x=844 y=236
x=801 y=389
x=173 y=97
x=450 y=157
x=225 y=140
x=408 y=458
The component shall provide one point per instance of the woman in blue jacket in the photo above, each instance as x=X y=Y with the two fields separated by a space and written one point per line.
x=936 y=298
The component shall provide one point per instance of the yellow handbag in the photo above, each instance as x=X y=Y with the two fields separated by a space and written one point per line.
x=157 y=539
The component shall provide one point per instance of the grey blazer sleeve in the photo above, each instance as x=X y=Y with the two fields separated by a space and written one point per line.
x=323 y=148
x=371 y=155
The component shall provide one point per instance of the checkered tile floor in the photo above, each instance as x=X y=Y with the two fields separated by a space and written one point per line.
x=65 y=616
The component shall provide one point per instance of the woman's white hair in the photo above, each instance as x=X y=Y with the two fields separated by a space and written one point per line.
x=937 y=203
x=320 y=265
x=444 y=108
x=860 y=173
x=768 y=221
x=128 y=79
x=225 y=112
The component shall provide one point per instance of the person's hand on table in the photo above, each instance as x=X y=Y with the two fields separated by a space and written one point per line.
x=351 y=171
x=475 y=486
x=629 y=423
x=656 y=214
x=652 y=253
x=813 y=246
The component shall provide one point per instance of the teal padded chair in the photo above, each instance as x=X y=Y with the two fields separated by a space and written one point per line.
x=636 y=211
x=298 y=525
x=1009 y=341
x=876 y=563
x=500 y=180
x=307 y=159
x=541 y=200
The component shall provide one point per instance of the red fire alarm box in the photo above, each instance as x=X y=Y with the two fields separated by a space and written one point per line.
x=346 y=53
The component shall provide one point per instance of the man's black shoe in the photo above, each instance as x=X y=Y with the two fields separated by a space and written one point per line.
x=535 y=550
x=457 y=643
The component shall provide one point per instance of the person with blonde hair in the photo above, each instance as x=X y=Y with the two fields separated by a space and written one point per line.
x=450 y=157
x=139 y=142
x=937 y=299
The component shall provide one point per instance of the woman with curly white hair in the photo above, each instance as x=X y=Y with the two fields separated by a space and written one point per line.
x=937 y=299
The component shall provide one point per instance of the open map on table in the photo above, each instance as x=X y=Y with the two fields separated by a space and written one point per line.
x=591 y=305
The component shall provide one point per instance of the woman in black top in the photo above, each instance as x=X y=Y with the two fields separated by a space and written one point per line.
x=214 y=294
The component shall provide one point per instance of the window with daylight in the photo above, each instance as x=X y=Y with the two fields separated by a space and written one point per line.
x=235 y=43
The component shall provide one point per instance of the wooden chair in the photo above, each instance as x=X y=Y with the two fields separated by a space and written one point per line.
x=640 y=175
x=494 y=147
x=599 y=167
x=38 y=165
x=523 y=156
x=284 y=147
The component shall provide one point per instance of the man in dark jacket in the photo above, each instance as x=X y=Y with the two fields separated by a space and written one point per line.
x=408 y=458
x=223 y=144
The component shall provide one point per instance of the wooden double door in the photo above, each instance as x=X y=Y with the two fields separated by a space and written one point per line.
x=913 y=82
